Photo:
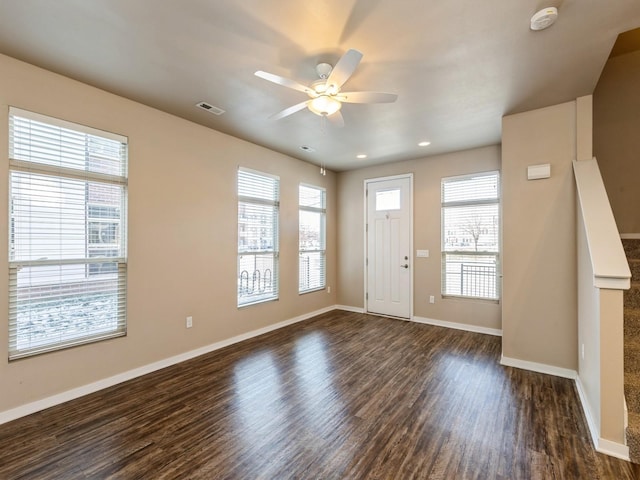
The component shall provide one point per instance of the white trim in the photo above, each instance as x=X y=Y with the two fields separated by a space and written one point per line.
x=411 y=254
x=586 y=408
x=611 y=283
x=32 y=407
x=365 y=246
x=630 y=236
x=613 y=449
x=458 y=326
x=538 y=367
x=601 y=445
x=347 y=308
x=400 y=176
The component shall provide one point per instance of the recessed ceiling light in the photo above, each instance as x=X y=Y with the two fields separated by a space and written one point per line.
x=362 y=155
x=307 y=148
x=424 y=144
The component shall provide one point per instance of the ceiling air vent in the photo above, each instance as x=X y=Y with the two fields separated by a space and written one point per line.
x=210 y=108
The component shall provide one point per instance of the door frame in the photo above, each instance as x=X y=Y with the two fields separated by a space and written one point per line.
x=367 y=181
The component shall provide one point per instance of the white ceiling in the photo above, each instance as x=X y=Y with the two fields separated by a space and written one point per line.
x=457 y=66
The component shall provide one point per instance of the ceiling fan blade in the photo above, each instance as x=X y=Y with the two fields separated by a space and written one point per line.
x=366 y=97
x=285 y=82
x=344 y=68
x=336 y=119
x=288 y=111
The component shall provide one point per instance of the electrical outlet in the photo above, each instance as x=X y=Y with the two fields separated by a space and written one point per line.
x=432 y=299
x=189 y=322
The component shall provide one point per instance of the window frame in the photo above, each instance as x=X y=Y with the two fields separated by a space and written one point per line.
x=322 y=211
x=497 y=255
x=274 y=251
x=29 y=167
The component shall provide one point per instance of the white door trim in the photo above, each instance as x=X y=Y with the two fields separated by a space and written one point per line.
x=364 y=229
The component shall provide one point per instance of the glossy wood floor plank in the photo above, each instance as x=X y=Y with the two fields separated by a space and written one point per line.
x=341 y=396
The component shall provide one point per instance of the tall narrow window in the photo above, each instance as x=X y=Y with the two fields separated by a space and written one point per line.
x=258 y=206
x=67 y=234
x=471 y=235
x=311 y=231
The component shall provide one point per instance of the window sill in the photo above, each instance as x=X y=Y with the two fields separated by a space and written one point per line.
x=477 y=299
x=258 y=302
x=319 y=289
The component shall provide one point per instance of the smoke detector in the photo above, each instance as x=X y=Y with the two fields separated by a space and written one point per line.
x=544 y=18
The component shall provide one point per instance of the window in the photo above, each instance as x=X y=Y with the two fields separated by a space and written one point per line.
x=258 y=205
x=388 y=200
x=470 y=235
x=67 y=234
x=311 y=232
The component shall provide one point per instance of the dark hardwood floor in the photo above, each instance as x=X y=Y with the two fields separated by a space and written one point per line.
x=341 y=396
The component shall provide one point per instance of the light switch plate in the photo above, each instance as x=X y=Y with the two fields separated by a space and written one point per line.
x=422 y=253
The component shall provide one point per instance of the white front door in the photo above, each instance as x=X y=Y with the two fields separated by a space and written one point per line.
x=389 y=261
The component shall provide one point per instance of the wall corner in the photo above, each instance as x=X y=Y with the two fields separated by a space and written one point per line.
x=584 y=127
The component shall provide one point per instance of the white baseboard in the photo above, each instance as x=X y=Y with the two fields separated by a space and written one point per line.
x=458 y=326
x=538 y=367
x=613 y=449
x=601 y=445
x=32 y=407
x=347 y=308
x=630 y=236
x=588 y=412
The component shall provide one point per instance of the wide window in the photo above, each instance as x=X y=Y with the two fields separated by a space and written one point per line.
x=471 y=235
x=311 y=232
x=258 y=206
x=67 y=234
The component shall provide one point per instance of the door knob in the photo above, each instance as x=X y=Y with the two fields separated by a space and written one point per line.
x=406 y=265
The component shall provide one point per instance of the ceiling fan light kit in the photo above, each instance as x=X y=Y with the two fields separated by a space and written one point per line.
x=325 y=96
x=324 y=105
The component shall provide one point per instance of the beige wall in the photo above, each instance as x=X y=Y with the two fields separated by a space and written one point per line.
x=182 y=235
x=427 y=175
x=539 y=308
x=612 y=366
x=616 y=142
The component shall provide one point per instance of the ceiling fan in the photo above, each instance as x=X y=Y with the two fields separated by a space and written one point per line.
x=325 y=95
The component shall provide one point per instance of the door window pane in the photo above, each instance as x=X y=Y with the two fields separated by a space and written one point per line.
x=388 y=200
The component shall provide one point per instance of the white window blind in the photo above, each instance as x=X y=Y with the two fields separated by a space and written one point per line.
x=471 y=235
x=67 y=234
x=312 y=238
x=258 y=209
